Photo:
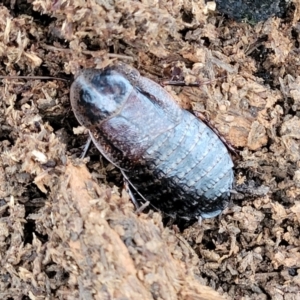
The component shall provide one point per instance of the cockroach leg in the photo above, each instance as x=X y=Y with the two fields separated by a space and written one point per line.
x=126 y=179
x=128 y=190
x=142 y=208
x=86 y=147
x=200 y=219
x=145 y=204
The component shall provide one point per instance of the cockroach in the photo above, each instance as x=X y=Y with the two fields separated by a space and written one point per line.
x=165 y=152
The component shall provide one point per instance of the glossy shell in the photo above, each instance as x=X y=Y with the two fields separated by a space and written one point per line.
x=172 y=158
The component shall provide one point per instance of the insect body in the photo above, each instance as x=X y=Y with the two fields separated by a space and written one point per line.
x=166 y=152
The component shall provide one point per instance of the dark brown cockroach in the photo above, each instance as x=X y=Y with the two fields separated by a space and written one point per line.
x=166 y=153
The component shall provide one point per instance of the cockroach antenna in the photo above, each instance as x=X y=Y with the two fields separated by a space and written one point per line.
x=198 y=83
x=33 y=77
